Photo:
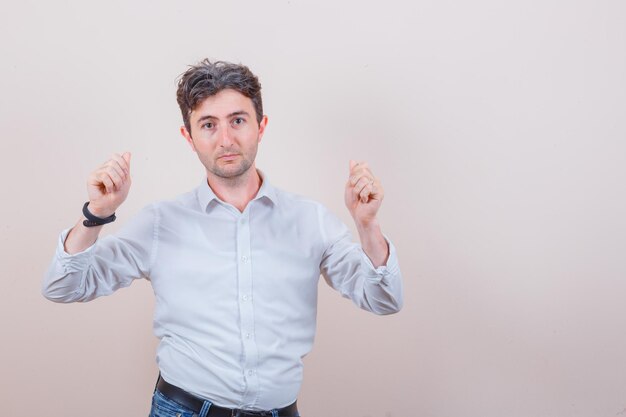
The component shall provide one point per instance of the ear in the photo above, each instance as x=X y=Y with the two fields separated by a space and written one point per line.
x=262 y=126
x=187 y=136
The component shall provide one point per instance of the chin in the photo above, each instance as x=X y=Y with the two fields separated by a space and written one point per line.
x=229 y=173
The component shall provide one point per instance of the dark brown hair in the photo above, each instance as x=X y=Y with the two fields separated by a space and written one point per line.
x=208 y=78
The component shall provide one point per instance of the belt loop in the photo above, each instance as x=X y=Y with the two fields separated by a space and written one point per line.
x=274 y=413
x=206 y=406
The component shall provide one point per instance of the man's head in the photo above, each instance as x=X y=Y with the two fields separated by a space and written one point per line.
x=209 y=78
x=223 y=116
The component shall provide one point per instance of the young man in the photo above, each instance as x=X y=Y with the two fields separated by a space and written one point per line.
x=234 y=263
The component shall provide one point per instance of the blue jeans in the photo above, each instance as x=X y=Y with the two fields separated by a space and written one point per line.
x=164 y=407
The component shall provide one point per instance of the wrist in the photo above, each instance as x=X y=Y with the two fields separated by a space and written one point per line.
x=95 y=220
x=101 y=212
x=368 y=225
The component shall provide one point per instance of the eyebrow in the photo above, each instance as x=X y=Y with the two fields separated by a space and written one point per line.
x=235 y=113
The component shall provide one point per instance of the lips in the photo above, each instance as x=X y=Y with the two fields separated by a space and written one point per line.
x=228 y=158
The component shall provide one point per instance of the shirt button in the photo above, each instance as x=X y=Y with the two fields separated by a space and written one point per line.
x=244 y=297
x=250 y=372
x=244 y=259
x=247 y=335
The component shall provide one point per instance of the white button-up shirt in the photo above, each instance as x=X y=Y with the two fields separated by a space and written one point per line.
x=236 y=292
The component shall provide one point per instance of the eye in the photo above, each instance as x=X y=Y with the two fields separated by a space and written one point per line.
x=238 y=121
x=208 y=125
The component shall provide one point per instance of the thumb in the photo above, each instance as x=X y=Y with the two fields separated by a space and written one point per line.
x=352 y=164
x=126 y=157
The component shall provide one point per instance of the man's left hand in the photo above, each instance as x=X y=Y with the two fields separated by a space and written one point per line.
x=363 y=194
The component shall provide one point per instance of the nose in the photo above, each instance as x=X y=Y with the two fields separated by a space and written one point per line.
x=225 y=138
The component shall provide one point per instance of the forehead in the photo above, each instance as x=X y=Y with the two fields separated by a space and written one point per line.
x=222 y=104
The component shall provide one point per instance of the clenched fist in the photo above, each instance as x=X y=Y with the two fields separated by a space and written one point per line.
x=363 y=194
x=108 y=186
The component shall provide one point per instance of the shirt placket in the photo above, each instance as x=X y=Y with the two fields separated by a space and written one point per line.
x=246 y=310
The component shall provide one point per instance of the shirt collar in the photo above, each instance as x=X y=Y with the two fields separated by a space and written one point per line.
x=206 y=194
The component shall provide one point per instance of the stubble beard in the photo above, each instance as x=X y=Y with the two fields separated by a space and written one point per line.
x=230 y=172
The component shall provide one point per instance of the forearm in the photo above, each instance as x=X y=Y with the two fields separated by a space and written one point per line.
x=81 y=237
x=368 y=273
x=372 y=285
x=66 y=273
x=373 y=243
x=102 y=267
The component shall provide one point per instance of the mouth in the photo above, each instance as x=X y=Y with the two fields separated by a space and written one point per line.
x=229 y=156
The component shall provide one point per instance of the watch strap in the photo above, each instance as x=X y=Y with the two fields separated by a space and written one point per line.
x=93 y=221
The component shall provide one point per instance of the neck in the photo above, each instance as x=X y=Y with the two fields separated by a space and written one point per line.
x=238 y=191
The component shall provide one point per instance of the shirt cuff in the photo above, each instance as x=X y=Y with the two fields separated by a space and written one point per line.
x=383 y=272
x=72 y=262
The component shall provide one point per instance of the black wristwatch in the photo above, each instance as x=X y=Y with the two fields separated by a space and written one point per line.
x=93 y=221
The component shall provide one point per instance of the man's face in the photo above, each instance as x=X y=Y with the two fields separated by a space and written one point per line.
x=225 y=133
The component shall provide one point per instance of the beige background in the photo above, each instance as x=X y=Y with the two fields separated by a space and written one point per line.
x=498 y=129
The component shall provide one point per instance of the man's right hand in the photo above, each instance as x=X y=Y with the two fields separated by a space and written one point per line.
x=108 y=186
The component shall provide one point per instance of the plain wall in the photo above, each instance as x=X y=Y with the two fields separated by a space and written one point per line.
x=497 y=128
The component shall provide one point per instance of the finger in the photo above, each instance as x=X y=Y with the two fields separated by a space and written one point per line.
x=367 y=190
x=366 y=193
x=107 y=182
x=359 y=170
x=363 y=176
x=116 y=177
x=115 y=164
x=377 y=192
x=121 y=164
x=124 y=161
x=115 y=171
x=355 y=166
x=126 y=157
x=362 y=183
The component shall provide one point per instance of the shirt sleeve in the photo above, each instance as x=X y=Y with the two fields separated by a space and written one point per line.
x=347 y=268
x=112 y=262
